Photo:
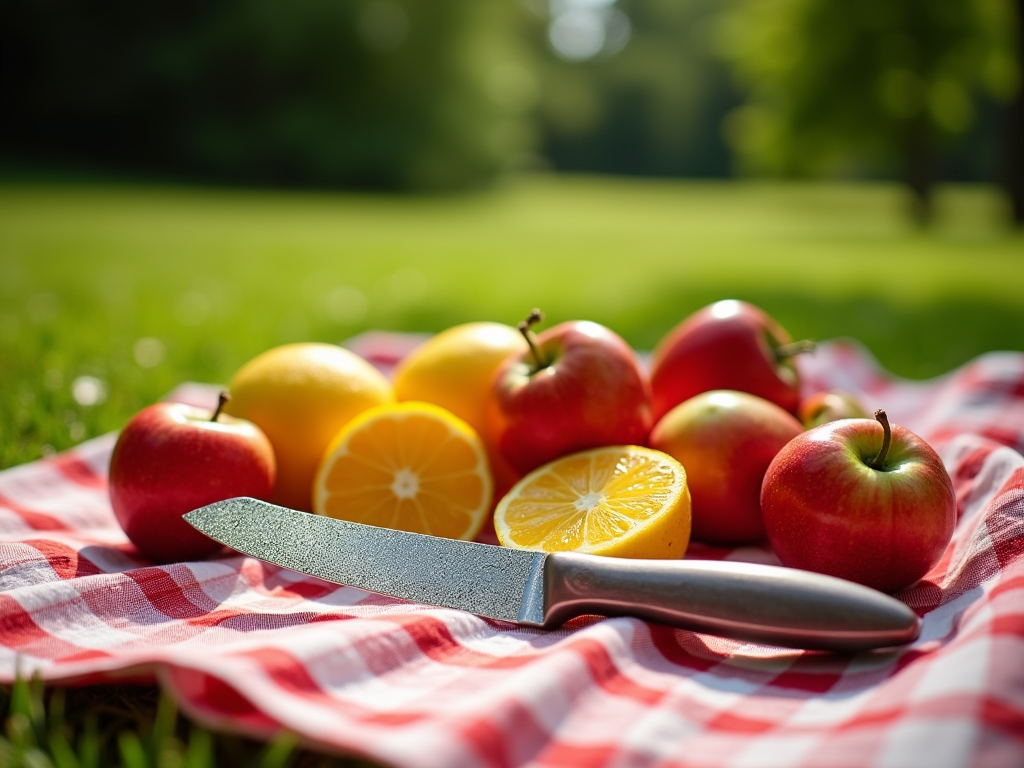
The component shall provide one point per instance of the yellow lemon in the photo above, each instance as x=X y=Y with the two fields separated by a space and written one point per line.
x=300 y=395
x=625 y=501
x=411 y=466
x=454 y=370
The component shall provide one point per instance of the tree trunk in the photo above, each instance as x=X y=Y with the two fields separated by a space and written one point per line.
x=1014 y=169
x=919 y=166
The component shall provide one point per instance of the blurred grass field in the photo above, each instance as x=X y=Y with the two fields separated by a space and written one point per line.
x=137 y=288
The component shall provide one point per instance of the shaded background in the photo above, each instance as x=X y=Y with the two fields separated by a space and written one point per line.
x=400 y=95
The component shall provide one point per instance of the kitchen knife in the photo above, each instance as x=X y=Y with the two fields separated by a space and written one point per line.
x=759 y=603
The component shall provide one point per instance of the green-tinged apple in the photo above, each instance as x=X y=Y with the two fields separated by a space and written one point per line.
x=861 y=500
x=823 y=407
x=172 y=458
x=577 y=385
x=725 y=440
x=727 y=345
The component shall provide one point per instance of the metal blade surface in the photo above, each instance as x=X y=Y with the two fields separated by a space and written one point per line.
x=496 y=582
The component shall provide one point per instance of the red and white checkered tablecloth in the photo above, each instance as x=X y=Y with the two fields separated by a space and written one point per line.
x=251 y=647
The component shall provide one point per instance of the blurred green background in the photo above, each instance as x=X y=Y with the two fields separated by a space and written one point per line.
x=185 y=184
x=398 y=95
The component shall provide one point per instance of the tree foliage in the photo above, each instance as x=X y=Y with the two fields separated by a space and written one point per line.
x=874 y=85
x=651 y=108
x=386 y=94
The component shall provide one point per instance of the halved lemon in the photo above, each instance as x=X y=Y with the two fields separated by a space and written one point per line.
x=411 y=466
x=624 y=501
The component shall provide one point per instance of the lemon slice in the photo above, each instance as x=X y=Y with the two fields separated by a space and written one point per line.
x=624 y=501
x=411 y=466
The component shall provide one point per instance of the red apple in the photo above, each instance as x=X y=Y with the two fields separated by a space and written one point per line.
x=172 y=458
x=823 y=407
x=725 y=441
x=861 y=501
x=727 y=345
x=577 y=386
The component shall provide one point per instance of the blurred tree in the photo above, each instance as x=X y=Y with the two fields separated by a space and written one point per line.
x=644 y=94
x=862 y=86
x=1014 y=172
x=388 y=94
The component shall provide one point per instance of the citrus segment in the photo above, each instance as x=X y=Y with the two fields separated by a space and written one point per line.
x=625 y=501
x=411 y=466
x=454 y=369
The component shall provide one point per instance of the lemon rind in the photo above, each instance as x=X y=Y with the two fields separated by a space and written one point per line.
x=679 y=494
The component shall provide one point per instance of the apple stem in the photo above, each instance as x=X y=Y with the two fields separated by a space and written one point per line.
x=222 y=400
x=879 y=460
x=533 y=318
x=784 y=351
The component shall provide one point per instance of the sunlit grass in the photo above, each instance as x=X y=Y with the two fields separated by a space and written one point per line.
x=125 y=726
x=39 y=727
x=143 y=287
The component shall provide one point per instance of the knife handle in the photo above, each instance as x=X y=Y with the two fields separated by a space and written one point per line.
x=759 y=603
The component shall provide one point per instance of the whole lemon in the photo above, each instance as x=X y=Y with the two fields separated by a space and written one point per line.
x=454 y=369
x=300 y=395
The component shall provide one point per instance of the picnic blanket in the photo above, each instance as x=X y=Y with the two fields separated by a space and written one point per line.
x=250 y=647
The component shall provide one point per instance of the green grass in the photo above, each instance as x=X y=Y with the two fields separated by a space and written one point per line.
x=125 y=726
x=216 y=276
x=208 y=278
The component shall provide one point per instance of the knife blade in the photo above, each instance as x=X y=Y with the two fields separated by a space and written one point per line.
x=745 y=601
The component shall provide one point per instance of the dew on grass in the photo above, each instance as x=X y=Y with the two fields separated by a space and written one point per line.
x=88 y=390
x=148 y=352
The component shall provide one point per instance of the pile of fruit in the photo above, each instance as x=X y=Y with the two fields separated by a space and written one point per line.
x=562 y=441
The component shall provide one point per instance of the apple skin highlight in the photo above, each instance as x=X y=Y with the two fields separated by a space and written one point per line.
x=726 y=441
x=727 y=345
x=827 y=510
x=589 y=392
x=170 y=459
